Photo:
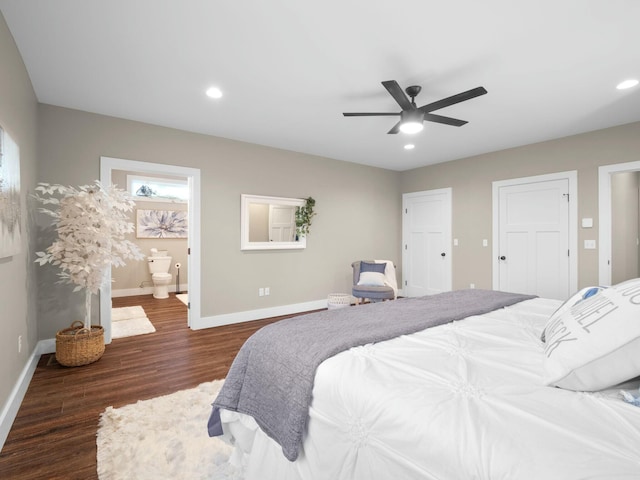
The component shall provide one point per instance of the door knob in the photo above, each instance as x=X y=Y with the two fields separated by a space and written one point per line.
x=502 y=257
x=443 y=254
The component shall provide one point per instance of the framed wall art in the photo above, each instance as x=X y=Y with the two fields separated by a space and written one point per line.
x=161 y=224
x=10 y=236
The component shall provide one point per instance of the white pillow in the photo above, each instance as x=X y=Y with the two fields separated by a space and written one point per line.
x=371 y=279
x=596 y=343
x=576 y=298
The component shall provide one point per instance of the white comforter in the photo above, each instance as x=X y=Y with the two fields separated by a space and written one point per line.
x=458 y=401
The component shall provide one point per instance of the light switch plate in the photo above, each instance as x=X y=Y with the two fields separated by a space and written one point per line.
x=587 y=223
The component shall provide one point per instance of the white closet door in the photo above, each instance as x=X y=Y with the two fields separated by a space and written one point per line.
x=533 y=250
x=426 y=254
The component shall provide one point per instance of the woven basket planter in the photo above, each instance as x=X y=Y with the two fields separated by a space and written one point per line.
x=76 y=346
x=338 y=300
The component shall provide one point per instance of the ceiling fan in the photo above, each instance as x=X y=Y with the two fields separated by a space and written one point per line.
x=411 y=116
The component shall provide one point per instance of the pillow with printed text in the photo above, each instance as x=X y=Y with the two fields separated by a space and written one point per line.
x=595 y=344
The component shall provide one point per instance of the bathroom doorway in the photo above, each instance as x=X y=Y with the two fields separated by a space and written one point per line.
x=185 y=252
x=161 y=233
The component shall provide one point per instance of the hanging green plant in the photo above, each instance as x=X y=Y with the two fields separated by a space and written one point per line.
x=304 y=214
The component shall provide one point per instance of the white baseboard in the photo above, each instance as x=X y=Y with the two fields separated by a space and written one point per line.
x=47 y=346
x=12 y=405
x=130 y=292
x=247 y=316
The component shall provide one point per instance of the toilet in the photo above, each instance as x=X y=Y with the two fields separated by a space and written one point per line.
x=159 y=268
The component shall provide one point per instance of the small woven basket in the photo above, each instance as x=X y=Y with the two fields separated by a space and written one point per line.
x=76 y=346
x=338 y=300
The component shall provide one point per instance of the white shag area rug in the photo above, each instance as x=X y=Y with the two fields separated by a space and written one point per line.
x=130 y=321
x=183 y=297
x=164 y=438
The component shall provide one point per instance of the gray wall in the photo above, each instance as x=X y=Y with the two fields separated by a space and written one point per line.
x=18 y=292
x=357 y=209
x=471 y=180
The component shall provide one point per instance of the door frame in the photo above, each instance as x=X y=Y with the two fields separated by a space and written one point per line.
x=572 y=177
x=604 y=215
x=405 y=260
x=107 y=165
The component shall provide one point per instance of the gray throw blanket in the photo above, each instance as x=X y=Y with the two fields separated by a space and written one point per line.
x=272 y=376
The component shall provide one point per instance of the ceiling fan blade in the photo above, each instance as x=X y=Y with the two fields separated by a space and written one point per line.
x=370 y=114
x=396 y=128
x=396 y=92
x=446 y=120
x=460 y=97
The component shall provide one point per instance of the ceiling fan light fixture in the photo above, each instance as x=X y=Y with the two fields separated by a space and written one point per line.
x=411 y=116
x=411 y=121
x=411 y=127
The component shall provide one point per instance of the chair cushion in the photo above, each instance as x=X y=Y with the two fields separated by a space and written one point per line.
x=372 y=267
x=374 y=293
x=371 y=279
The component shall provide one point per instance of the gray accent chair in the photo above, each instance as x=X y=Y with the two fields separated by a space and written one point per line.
x=373 y=293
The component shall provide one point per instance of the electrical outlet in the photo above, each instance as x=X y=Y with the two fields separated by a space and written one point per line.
x=267 y=291
x=19 y=343
x=261 y=292
x=472 y=285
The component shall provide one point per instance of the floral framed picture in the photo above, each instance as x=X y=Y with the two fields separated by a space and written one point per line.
x=161 y=224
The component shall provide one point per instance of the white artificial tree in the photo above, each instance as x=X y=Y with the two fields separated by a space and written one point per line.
x=91 y=222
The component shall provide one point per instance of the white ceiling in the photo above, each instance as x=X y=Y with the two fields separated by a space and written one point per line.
x=289 y=68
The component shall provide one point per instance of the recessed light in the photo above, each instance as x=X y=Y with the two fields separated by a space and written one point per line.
x=409 y=146
x=214 y=92
x=627 y=84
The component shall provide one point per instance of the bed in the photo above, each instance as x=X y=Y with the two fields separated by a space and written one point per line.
x=472 y=398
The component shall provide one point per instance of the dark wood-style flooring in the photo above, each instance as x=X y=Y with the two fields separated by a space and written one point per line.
x=54 y=434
